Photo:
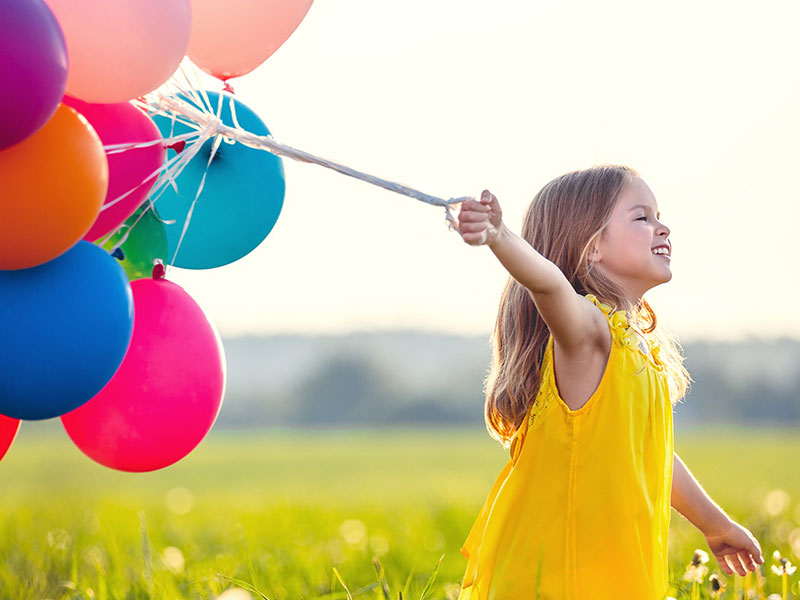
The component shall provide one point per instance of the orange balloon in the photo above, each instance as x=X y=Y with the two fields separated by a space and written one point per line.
x=52 y=186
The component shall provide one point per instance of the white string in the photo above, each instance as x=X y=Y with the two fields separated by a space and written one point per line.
x=197 y=114
x=214 y=149
x=207 y=121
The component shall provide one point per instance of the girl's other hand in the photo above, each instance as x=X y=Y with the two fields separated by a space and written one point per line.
x=480 y=221
x=738 y=546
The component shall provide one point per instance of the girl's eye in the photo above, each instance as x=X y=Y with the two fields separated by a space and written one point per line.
x=643 y=218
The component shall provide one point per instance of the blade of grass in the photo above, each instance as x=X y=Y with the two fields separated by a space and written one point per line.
x=148 y=559
x=335 y=595
x=339 y=577
x=243 y=584
x=381 y=578
x=431 y=579
x=404 y=593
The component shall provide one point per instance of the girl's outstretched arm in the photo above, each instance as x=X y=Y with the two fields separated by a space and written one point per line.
x=577 y=326
x=731 y=544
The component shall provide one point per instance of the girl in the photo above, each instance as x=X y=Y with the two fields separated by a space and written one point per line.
x=581 y=392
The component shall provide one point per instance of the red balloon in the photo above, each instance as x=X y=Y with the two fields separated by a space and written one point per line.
x=167 y=393
x=8 y=431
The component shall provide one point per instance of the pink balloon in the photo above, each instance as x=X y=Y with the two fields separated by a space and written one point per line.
x=119 y=124
x=122 y=49
x=167 y=393
x=8 y=431
x=260 y=26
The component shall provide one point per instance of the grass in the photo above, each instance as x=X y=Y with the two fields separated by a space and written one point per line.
x=303 y=514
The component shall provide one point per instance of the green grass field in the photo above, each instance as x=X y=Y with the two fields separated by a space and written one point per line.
x=277 y=511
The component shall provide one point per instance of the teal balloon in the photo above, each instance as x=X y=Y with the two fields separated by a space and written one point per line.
x=240 y=201
x=146 y=241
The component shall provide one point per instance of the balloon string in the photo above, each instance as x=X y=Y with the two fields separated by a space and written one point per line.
x=205 y=120
x=171 y=169
x=214 y=148
x=117 y=148
x=233 y=115
x=199 y=116
x=130 y=227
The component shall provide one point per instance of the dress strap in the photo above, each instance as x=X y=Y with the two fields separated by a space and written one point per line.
x=624 y=335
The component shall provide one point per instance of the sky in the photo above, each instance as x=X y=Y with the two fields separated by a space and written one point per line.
x=453 y=97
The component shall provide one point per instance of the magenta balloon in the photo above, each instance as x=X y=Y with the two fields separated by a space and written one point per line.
x=119 y=124
x=33 y=68
x=122 y=49
x=167 y=393
x=8 y=431
x=261 y=27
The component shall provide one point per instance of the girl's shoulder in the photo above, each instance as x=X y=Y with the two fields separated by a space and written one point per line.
x=619 y=316
x=626 y=335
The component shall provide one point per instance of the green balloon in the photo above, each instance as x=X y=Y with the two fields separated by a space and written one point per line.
x=146 y=241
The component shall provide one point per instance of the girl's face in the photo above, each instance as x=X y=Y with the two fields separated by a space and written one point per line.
x=633 y=249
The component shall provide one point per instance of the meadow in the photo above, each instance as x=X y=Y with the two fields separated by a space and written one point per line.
x=325 y=514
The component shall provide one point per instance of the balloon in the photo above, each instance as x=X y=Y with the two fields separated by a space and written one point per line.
x=33 y=69
x=230 y=39
x=52 y=186
x=8 y=431
x=123 y=49
x=167 y=392
x=240 y=201
x=120 y=124
x=145 y=242
x=66 y=326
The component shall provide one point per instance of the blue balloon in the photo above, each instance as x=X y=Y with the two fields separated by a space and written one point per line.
x=65 y=327
x=241 y=198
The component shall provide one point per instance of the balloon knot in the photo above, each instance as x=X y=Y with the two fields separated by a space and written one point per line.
x=227 y=88
x=177 y=146
x=118 y=254
x=158 y=269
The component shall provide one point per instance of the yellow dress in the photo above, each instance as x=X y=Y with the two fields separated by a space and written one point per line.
x=581 y=510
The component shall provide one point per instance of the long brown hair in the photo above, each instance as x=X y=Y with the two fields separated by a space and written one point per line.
x=563 y=222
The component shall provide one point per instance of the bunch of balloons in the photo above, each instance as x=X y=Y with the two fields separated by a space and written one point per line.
x=91 y=209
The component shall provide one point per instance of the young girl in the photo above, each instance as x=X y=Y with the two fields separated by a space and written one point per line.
x=581 y=392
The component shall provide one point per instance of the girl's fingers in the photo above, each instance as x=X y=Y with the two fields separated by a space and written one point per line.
x=471 y=204
x=723 y=563
x=747 y=560
x=737 y=564
x=488 y=198
x=755 y=550
x=474 y=239
x=472 y=227
x=472 y=217
x=731 y=564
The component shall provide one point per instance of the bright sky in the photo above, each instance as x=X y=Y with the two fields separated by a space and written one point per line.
x=454 y=96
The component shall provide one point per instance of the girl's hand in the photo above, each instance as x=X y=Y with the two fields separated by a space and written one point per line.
x=738 y=545
x=479 y=222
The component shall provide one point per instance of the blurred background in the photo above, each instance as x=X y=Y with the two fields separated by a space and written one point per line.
x=424 y=378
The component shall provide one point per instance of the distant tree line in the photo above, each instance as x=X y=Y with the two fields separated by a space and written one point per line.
x=352 y=390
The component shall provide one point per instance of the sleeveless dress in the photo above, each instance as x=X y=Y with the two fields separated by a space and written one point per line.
x=581 y=510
